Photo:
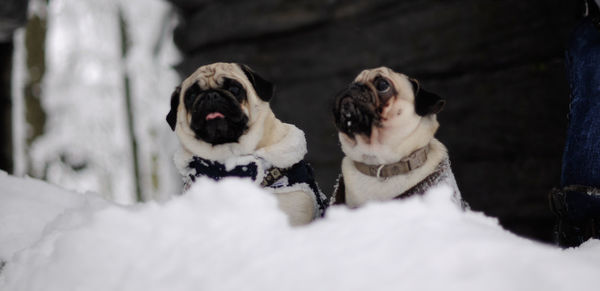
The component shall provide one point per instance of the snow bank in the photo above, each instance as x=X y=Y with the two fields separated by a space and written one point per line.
x=230 y=236
x=28 y=205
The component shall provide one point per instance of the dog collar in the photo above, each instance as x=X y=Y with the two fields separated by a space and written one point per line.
x=413 y=161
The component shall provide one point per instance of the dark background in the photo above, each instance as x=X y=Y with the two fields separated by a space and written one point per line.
x=499 y=64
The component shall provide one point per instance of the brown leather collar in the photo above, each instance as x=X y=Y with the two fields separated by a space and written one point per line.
x=413 y=161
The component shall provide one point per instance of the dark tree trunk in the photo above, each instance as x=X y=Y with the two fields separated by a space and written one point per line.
x=13 y=13
x=6 y=157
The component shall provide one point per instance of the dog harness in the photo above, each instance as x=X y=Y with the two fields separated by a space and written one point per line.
x=299 y=175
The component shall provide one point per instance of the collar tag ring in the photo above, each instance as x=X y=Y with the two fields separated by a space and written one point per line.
x=379 y=173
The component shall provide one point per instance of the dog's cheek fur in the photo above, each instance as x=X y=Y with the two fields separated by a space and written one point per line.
x=172 y=115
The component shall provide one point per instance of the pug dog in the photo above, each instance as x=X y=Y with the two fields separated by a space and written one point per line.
x=226 y=128
x=386 y=124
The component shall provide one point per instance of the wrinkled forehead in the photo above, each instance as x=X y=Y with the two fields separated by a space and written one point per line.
x=369 y=75
x=212 y=76
x=400 y=81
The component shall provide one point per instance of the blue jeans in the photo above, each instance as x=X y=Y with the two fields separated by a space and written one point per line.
x=581 y=158
x=577 y=203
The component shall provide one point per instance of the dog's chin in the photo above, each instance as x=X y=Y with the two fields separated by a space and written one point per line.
x=217 y=127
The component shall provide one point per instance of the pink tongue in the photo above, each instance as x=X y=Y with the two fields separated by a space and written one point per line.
x=214 y=115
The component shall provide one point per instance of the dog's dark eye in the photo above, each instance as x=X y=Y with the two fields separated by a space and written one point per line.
x=381 y=84
x=234 y=89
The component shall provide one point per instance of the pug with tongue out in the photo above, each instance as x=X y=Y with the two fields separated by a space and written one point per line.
x=226 y=128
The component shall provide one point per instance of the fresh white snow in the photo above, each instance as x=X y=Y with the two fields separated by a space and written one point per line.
x=231 y=236
x=28 y=205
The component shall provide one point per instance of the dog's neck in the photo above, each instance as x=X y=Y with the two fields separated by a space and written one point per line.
x=360 y=188
x=392 y=148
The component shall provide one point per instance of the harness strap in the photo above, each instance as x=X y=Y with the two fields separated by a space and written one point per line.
x=417 y=189
x=272 y=175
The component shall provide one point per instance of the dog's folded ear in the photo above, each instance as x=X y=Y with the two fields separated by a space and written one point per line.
x=264 y=89
x=172 y=116
x=426 y=102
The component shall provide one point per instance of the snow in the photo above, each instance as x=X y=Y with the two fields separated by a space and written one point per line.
x=230 y=235
x=27 y=206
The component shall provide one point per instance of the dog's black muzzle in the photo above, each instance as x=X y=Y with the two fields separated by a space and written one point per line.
x=355 y=110
x=217 y=116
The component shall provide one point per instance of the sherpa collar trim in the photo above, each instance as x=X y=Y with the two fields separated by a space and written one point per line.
x=289 y=151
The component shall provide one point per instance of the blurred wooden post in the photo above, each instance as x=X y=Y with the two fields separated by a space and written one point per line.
x=130 y=110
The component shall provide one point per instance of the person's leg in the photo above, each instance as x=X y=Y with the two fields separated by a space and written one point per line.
x=581 y=159
x=577 y=203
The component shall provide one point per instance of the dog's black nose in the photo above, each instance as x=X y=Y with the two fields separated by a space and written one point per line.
x=212 y=95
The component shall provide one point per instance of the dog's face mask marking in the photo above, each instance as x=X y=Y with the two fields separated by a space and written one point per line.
x=381 y=99
x=358 y=108
x=216 y=102
x=216 y=114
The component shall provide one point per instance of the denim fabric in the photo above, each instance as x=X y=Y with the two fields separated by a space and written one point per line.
x=581 y=158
